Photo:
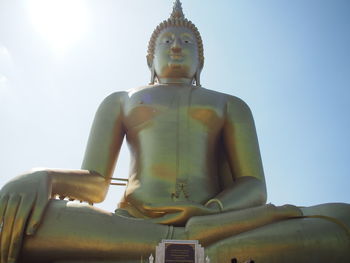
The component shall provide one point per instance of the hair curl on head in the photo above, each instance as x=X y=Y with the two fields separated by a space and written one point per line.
x=176 y=19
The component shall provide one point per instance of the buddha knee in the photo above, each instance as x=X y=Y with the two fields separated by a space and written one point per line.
x=194 y=226
x=340 y=211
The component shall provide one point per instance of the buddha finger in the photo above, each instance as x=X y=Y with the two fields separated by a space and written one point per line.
x=8 y=221
x=164 y=208
x=168 y=219
x=23 y=211
x=41 y=201
x=3 y=205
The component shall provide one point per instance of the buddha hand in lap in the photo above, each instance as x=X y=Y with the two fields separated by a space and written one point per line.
x=196 y=173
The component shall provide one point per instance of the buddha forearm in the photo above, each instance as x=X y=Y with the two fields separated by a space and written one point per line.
x=247 y=192
x=83 y=185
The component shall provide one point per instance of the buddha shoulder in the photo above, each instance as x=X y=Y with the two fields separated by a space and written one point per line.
x=233 y=107
x=117 y=103
x=237 y=109
x=112 y=104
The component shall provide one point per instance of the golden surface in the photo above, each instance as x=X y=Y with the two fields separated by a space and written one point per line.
x=196 y=173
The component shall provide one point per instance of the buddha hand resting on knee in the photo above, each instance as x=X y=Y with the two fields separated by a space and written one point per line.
x=23 y=201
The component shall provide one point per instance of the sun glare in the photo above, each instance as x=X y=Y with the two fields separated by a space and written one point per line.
x=60 y=22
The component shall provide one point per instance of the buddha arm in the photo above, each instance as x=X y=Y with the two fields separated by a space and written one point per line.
x=23 y=199
x=91 y=183
x=242 y=150
x=105 y=138
x=82 y=185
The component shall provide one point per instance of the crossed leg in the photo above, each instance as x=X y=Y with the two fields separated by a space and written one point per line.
x=321 y=235
x=74 y=232
x=266 y=234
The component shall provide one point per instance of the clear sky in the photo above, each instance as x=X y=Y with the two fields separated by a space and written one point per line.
x=289 y=60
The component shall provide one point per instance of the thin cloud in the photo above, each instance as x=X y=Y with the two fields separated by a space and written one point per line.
x=6 y=61
x=3 y=83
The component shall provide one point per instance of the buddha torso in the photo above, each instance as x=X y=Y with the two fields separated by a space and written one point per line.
x=173 y=134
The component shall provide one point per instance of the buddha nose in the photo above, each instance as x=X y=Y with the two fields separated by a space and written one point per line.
x=176 y=47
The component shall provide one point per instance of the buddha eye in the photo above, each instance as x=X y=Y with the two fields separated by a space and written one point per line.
x=187 y=41
x=167 y=41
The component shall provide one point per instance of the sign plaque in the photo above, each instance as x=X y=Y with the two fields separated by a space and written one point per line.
x=179 y=251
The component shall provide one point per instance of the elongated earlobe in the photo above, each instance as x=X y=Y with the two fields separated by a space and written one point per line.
x=153 y=75
x=198 y=78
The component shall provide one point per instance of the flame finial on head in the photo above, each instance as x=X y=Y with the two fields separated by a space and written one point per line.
x=177 y=11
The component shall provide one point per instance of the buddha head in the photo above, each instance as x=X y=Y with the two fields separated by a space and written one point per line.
x=175 y=50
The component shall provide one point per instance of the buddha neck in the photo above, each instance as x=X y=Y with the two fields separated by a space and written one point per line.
x=180 y=81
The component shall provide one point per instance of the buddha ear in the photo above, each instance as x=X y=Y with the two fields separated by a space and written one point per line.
x=149 y=61
x=153 y=75
x=151 y=68
x=197 y=77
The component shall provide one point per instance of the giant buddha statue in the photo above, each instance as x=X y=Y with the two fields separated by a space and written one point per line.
x=196 y=174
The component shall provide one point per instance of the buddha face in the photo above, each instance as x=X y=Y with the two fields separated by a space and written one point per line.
x=176 y=55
